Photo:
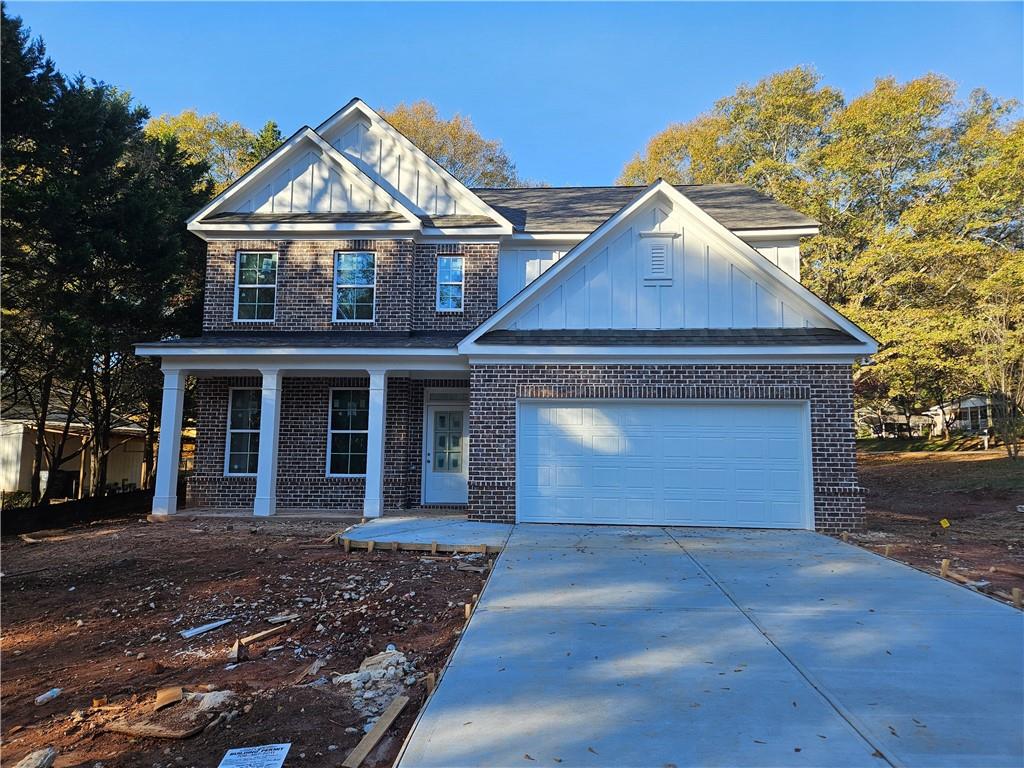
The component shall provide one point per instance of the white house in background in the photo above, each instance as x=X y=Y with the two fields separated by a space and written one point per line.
x=17 y=446
x=970 y=415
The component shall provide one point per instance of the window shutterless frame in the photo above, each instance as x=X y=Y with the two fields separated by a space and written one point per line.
x=351 y=433
x=352 y=285
x=255 y=280
x=250 y=431
x=451 y=283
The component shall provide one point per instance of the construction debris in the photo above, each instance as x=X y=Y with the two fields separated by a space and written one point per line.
x=188 y=633
x=369 y=741
x=50 y=695
x=167 y=696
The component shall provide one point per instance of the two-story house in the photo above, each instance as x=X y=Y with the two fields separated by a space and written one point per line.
x=378 y=337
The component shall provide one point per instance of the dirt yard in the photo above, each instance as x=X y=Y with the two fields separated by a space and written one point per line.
x=978 y=492
x=97 y=612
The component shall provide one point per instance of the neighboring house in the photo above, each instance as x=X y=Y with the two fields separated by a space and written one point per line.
x=72 y=480
x=379 y=337
x=889 y=421
x=969 y=415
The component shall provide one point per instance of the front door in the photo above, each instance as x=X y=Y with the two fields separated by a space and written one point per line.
x=445 y=479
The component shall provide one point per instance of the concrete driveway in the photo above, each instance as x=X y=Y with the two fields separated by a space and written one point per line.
x=614 y=646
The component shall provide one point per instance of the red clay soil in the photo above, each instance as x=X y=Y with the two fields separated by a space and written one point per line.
x=980 y=493
x=97 y=612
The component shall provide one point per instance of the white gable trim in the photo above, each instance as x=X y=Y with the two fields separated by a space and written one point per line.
x=452 y=183
x=728 y=240
x=304 y=134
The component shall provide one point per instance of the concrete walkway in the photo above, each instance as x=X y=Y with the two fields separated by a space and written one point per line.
x=454 y=530
x=611 y=646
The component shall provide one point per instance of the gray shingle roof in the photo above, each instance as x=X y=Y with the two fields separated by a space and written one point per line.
x=692 y=337
x=453 y=221
x=584 y=209
x=341 y=339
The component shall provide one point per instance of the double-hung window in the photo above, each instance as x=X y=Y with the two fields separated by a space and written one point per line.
x=347 y=432
x=450 y=283
x=255 y=285
x=243 y=449
x=355 y=277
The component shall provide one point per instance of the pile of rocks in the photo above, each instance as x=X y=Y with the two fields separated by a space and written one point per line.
x=378 y=681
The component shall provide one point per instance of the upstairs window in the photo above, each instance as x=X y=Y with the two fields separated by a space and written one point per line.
x=450 y=283
x=355 y=279
x=347 y=431
x=255 y=285
x=243 y=432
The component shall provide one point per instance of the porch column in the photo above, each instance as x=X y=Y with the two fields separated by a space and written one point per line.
x=265 y=502
x=165 y=494
x=373 y=502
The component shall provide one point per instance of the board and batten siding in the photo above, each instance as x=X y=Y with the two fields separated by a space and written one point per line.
x=709 y=287
x=309 y=183
x=785 y=254
x=518 y=267
x=384 y=158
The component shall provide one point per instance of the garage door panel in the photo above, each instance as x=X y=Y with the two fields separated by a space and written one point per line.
x=670 y=463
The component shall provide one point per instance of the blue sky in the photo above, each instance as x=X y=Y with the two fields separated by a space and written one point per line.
x=572 y=90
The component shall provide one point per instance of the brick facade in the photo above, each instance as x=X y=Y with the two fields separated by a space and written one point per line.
x=302 y=481
x=838 y=498
x=405 y=291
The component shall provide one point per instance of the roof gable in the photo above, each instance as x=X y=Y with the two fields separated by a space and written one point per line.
x=305 y=175
x=393 y=161
x=706 y=277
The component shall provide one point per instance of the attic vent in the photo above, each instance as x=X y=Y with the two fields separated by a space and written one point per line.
x=656 y=249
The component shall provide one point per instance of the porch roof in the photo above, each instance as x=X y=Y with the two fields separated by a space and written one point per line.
x=346 y=339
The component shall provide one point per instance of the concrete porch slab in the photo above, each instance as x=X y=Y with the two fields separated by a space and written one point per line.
x=454 y=530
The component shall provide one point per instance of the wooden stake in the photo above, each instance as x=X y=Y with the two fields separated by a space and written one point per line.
x=888 y=549
x=476 y=598
x=431 y=681
x=469 y=610
x=369 y=741
x=944 y=569
x=433 y=547
x=1018 y=597
x=394 y=546
x=347 y=544
x=369 y=545
x=845 y=535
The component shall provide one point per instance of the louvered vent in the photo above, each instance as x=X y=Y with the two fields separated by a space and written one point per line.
x=658 y=260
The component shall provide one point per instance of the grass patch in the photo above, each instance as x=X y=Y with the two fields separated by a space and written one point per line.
x=930 y=444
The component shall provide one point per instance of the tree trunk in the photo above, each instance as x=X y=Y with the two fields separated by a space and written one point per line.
x=147 y=449
x=40 y=445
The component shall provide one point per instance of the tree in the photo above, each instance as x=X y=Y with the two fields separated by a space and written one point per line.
x=455 y=144
x=94 y=247
x=265 y=141
x=224 y=147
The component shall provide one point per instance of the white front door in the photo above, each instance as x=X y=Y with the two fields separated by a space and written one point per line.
x=445 y=477
x=735 y=464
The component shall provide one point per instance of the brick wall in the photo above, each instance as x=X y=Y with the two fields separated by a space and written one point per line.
x=405 y=293
x=480 y=291
x=838 y=498
x=302 y=481
x=305 y=284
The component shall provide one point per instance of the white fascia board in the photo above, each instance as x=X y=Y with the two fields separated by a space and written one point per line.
x=556 y=269
x=286 y=230
x=678 y=353
x=204 y=350
x=492 y=232
x=358 y=105
x=778 y=233
x=620 y=356
x=549 y=237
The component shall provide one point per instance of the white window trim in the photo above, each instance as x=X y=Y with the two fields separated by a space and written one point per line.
x=336 y=286
x=330 y=401
x=238 y=286
x=438 y=283
x=229 y=431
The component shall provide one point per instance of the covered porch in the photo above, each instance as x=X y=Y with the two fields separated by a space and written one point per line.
x=341 y=434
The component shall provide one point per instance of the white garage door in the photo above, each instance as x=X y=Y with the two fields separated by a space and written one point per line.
x=656 y=463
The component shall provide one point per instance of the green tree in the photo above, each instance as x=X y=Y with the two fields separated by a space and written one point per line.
x=265 y=141
x=223 y=147
x=455 y=144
